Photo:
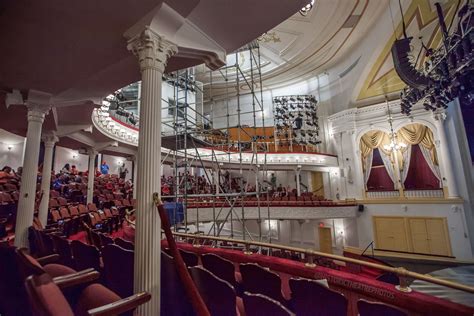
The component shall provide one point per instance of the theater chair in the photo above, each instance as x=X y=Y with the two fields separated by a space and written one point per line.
x=105 y=240
x=16 y=265
x=172 y=290
x=367 y=308
x=222 y=268
x=118 y=269
x=190 y=258
x=259 y=304
x=257 y=279
x=46 y=298
x=124 y=244
x=85 y=256
x=63 y=248
x=218 y=294
x=313 y=297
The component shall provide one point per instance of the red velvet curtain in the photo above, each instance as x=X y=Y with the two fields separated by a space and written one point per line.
x=379 y=180
x=419 y=174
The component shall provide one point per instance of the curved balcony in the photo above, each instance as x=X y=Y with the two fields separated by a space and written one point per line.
x=123 y=126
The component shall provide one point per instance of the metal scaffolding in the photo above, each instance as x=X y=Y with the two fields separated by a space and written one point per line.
x=193 y=128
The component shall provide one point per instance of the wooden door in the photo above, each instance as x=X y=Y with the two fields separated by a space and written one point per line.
x=419 y=235
x=325 y=239
x=390 y=233
x=438 y=237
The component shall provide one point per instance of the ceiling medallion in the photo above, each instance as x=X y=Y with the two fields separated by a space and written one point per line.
x=268 y=37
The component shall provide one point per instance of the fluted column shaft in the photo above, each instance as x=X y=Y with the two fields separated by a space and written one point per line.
x=446 y=167
x=26 y=201
x=49 y=141
x=298 y=184
x=135 y=177
x=153 y=52
x=91 y=176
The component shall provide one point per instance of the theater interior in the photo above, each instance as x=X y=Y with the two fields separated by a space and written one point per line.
x=219 y=157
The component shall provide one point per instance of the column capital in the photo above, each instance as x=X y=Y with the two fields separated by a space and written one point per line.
x=440 y=117
x=49 y=139
x=152 y=50
x=92 y=153
x=38 y=104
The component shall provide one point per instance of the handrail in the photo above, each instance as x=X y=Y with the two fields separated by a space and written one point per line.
x=402 y=273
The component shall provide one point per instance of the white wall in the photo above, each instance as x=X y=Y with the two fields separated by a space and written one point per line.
x=12 y=157
x=65 y=155
x=460 y=242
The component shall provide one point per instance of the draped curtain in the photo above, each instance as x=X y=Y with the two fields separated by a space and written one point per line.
x=368 y=142
x=418 y=134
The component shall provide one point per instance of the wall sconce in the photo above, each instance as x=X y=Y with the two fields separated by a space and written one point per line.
x=74 y=156
x=119 y=162
x=9 y=147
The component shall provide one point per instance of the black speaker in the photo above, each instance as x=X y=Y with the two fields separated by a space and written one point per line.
x=361 y=208
x=404 y=68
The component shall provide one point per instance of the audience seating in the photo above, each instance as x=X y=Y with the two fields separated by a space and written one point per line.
x=124 y=244
x=189 y=258
x=63 y=248
x=218 y=295
x=312 y=297
x=259 y=304
x=16 y=265
x=46 y=298
x=367 y=308
x=105 y=240
x=118 y=269
x=172 y=288
x=222 y=268
x=256 y=279
x=85 y=256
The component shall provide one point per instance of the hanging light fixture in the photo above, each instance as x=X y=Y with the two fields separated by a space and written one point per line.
x=304 y=10
x=394 y=144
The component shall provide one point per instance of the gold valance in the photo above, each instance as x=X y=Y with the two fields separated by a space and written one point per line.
x=418 y=134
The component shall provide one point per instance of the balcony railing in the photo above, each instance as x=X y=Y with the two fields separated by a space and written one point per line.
x=406 y=194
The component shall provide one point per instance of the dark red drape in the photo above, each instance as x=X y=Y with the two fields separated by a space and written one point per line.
x=379 y=180
x=419 y=174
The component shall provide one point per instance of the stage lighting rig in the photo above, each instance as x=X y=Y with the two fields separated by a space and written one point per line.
x=448 y=71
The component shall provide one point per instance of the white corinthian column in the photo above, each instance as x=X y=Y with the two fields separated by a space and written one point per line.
x=153 y=52
x=49 y=140
x=26 y=201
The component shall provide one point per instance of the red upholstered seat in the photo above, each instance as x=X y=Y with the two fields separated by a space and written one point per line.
x=259 y=304
x=53 y=203
x=256 y=279
x=220 y=267
x=118 y=269
x=91 y=207
x=367 y=308
x=62 y=201
x=190 y=258
x=46 y=298
x=93 y=296
x=82 y=209
x=105 y=240
x=63 y=248
x=124 y=244
x=311 y=297
x=172 y=289
x=85 y=256
x=218 y=295
x=64 y=213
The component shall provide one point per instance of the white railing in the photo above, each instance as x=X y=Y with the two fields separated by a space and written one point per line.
x=383 y=194
x=437 y=193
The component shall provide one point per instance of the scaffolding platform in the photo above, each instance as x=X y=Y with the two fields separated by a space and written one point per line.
x=177 y=142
